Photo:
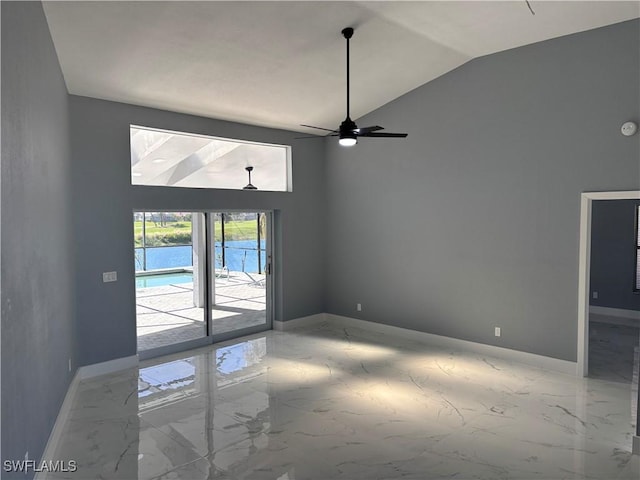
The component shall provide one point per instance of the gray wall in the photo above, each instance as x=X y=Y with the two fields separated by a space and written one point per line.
x=37 y=264
x=613 y=254
x=104 y=200
x=472 y=221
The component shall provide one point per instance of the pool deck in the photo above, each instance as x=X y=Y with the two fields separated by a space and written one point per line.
x=166 y=314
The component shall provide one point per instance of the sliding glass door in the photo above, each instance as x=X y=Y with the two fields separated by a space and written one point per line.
x=169 y=310
x=241 y=264
x=200 y=277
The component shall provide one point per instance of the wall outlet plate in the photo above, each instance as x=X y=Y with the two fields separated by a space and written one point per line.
x=497 y=331
x=109 y=277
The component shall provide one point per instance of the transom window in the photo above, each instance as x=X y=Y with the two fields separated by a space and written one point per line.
x=176 y=159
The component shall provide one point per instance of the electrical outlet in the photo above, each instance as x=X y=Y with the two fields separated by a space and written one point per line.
x=69 y=363
x=498 y=331
x=359 y=307
x=594 y=295
x=109 y=277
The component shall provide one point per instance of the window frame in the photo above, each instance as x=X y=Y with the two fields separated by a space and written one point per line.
x=636 y=280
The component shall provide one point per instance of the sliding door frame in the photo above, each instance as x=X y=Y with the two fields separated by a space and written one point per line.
x=209 y=338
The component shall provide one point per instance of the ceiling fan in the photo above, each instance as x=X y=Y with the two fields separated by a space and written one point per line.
x=348 y=132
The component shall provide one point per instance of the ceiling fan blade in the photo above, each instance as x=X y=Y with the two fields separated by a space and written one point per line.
x=361 y=131
x=383 y=134
x=317 y=136
x=319 y=128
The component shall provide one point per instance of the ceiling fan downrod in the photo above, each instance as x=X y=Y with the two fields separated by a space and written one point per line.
x=348 y=33
x=347 y=136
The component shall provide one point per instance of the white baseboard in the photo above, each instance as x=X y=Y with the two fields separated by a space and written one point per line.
x=532 y=359
x=300 y=322
x=103 y=368
x=49 y=453
x=615 y=312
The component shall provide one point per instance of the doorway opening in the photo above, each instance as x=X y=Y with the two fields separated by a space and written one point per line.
x=584 y=294
x=614 y=300
x=584 y=269
x=201 y=277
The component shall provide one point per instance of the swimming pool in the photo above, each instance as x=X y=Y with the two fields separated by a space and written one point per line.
x=163 y=279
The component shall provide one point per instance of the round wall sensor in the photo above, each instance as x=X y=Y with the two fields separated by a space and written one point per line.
x=629 y=128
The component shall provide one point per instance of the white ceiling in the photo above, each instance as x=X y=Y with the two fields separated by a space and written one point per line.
x=280 y=64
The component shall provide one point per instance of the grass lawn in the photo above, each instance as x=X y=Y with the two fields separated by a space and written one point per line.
x=179 y=233
x=152 y=229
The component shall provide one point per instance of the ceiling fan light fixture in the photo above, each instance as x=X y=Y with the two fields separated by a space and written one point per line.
x=348 y=141
x=347 y=133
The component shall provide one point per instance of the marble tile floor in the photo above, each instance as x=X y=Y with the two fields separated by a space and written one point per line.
x=613 y=352
x=611 y=348
x=166 y=315
x=328 y=403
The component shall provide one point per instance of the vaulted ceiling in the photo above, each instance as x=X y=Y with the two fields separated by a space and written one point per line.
x=280 y=64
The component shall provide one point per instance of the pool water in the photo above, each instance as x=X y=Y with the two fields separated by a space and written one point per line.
x=240 y=255
x=163 y=279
